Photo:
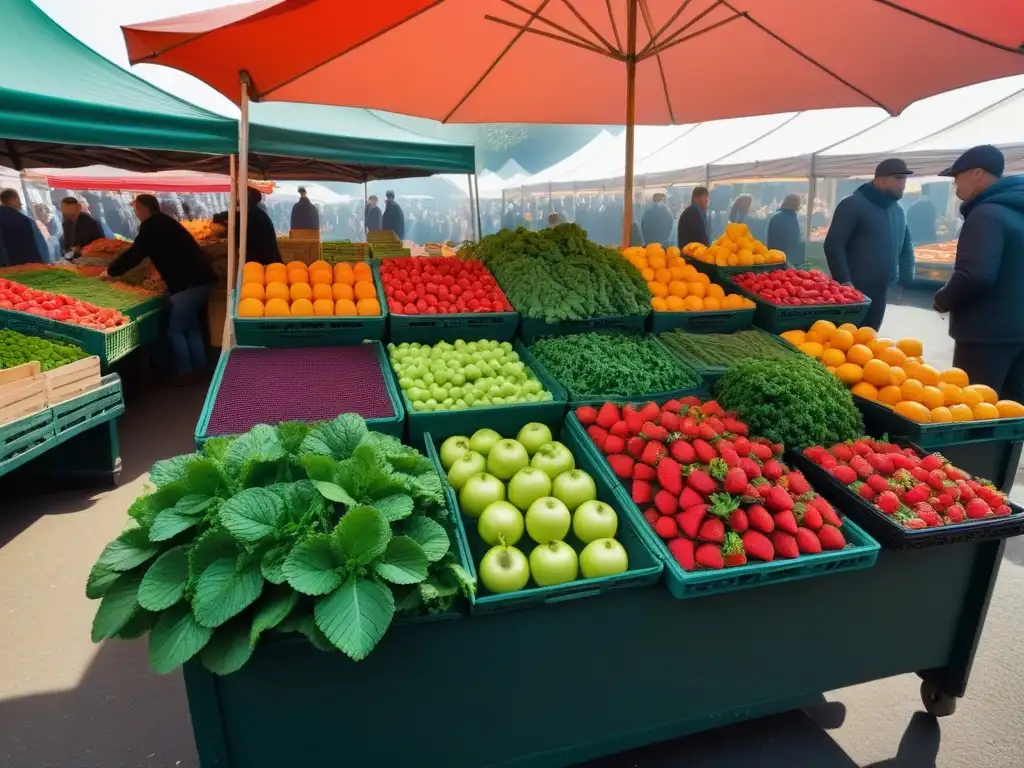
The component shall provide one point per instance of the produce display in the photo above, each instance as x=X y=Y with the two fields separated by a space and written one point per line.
x=330 y=531
x=893 y=374
x=335 y=251
x=201 y=229
x=440 y=286
x=612 y=365
x=318 y=290
x=715 y=350
x=17 y=349
x=676 y=286
x=104 y=250
x=99 y=292
x=531 y=485
x=936 y=253
x=65 y=309
x=466 y=374
x=797 y=287
x=790 y=400
x=735 y=248
x=558 y=274
x=718 y=497
x=914 y=491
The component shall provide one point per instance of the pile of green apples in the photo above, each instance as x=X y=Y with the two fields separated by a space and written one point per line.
x=466 y=374
x=531 y=485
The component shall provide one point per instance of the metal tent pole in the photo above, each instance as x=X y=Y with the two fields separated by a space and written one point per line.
x=479 y=218
x=227 y=340
x=627 y=202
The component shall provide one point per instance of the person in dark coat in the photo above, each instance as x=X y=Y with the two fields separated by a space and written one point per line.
x=260 y=237
x=868 y=244
x=693 y=221
x=656 y=223
x=394 y=218
x=304 y=213
x=784 y=230
x=921 y=217
x=190 y=280
x=985 y=294
x=22 y=239
x=79 y=228
x=373 y=217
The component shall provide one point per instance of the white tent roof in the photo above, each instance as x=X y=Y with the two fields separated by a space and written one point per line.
x=287 y=190
x=577 y=159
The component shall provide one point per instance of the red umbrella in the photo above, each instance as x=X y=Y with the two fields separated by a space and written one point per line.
x=591 y=61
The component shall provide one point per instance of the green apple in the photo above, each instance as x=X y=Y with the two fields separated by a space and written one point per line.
x=527 y=485
x=553 y=563
x=500 y=523
x=603 y=557
x=548 y=519
x=483 y=440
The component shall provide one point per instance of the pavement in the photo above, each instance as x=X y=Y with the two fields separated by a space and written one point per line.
x=67 y=703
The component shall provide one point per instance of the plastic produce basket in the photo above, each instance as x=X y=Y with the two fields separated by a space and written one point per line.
x=144 y=308
x=575 y=400
x=893 y=536
x=26 y=438
x=712 y=373
x=644 y=567
x=309 y=331
x=309 y=405
x=75 y=416
x=776 y=318
x=710 y=321
x=880 y=420
x=109 y=347
x=531 y=329
x=469 y=326
x=506 y=419
x=719 y=274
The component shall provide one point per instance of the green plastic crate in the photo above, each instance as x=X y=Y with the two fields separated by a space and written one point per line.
x=574 y=400
x=711 y=321
x=26 y=438
x=149 y=327
x=109 y=347
x=503 y=418
x=880 y=420
x=712 y=373
x=531 y=329
x=388 y=425
x=776 y=318
x=644 y=567
x=146 y=307
x=309 y=331
x=469 y=326
x=719 y=274
x=79 y=414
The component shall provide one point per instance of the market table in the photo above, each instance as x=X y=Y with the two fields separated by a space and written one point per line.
x=564 y=683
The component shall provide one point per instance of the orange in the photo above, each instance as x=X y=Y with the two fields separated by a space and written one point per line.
x=961 y=412
x=322 y=291
x=657 y=289
x=880 y=342
x=361 y=268
x=865 y=335
x=913 y=411
x=824 y=328
x=703 y=279
x=890 y=355
x=715 y=291
x=300 y=291
x=277 y=291
x=849 y=373
x=678 y=273
x=831 y=369
x=842 y=339
x=323 y=307
x=276 y=308
x=342 y=291
x=848 y=327
x=988 y=394
x=663 y=276
x=677 y=288
x=298 y=277
x=342 y=268
x=659 y=304
x=897 y=375
x=835 y=358
x=368 y=307
x=250 y=308
x=913 y=369
x=941 y=414
x=693 y=303
x=865 y=390
x=812 y=348
x=875 y=371
x=858 y=354
x=648 y=273
x=971 y=397
x=695 y=288
x=345 y=307
x=951 y=393
x=319 y=264
x=796 y=338
x=932 y=397
x=912 y=390
x=927 y=375
x=252 y=272
x=711 y=303
x=985 y=411
x=365 y=291
x=302 y=308
x=297 y=266
x=320 y=277
x=1010 y=409
x=814 y=336
x=656 y=262
x=889 y=394
x=956 y=376
x=252 y=291
x=690 y=273
x=675 y=303
x=275 y=273
x=910 y=347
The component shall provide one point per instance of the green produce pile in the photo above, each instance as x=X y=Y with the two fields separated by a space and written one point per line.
x=90 y=289
x=715 y=350
x=328 y=530
x=612 y=365
x=17 y=349
x=793 y=400
x=558 y=274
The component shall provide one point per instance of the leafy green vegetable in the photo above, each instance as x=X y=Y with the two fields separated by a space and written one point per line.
x=558 y=274
x=793 y=400
x=716 y=350
x=329 y=531
x=612 y=365
x=17 y=349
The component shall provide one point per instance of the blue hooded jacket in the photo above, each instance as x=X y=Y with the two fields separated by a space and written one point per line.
x=985 y=293
x=868 y=242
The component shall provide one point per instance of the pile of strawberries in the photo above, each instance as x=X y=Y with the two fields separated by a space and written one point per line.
x=914 y=491
x=714 y=495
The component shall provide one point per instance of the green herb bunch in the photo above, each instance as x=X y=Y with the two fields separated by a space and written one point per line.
x=18 y=348
x=329 y=531
x=792 y=400
x=724 y=349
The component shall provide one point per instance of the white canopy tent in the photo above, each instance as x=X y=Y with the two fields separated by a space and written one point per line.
x=289 y=190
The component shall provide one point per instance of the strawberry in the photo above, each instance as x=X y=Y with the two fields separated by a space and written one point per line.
x=955 y=513
x=860 y=465
x=613 y=444
x=977 y=508
x=735 y=481
x=690 y=401
x=861 y=447
x=814 y=453
x=831 y=538
x=807 y=542
x=650 y=411
x=735 y=426
x=666 y=503
x=888 y=502
x=785 y=544
x=682 y=551
x=877 y=483
x=607 y=415
x=729 y=456
x=709 y=556
x=936 y=479
x=931 y=461
x=643 y=472
x=928 y=514
x=688 y=426
x=586 y=414
x=881 y=464
x=666 y=528
x=1002 y=510
x=715 y=423
x=712 y=408
x=598 y=435
x=670 y=475
x=751 y=491
x=759 y=519
x=619 y=429
x=798 y=484
x=689 y=519
x=916 y=495
x=828 y=461
x=785 y=522
x=828 y=514
x=634 y=422
x=738 y=521
x=758 y=546
x=682 y=451
x=765 y=490
x=651 y=516
x=733 y=552
x=672 y=406
x=920 y=474
x=669 y=421
x=712 y=530
x=966 y=492
x=914 y=523
x=690 y=498
x=761 y=451
x=773 y=470
x=701 y=482
x=635 y=446
x=706 y=432
x=953 y=473
x=866 y=492
x=843 y=452
x=653 y=452
x=621 y=465
x=741 y=445
x=652 y=431
x=844 y=475
x=808 y=516
x=778 y=499
x=641 y=492
x=943 y=501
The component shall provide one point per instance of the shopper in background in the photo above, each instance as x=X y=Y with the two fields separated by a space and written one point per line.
x=985 y=294
x=656 y=223
x=553 y=220
x=373 y=217
x=23 y=241
x=740 y=209
x=868 y=244
x=260 y=236
x=79 y=227
x=921 y=218
x=190 y=280
x=693 y=221
x=394 y=218
x=304 y=213
x=784 y=230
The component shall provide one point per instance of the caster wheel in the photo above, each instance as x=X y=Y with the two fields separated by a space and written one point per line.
x=937 y=702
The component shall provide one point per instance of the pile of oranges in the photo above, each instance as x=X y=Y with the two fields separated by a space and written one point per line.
x=295 y=290
x=735 y=248
x=676 y=286
x=893 y=374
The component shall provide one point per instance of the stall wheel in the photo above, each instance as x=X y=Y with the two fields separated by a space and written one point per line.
x=936 y=701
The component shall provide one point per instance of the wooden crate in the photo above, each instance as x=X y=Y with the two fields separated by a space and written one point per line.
x=304 y=234
x=306 y=251
x=22 y=392
x=72 y=380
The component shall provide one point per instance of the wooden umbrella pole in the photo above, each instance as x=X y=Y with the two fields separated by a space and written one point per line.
x=228 y=341
x=627 y=203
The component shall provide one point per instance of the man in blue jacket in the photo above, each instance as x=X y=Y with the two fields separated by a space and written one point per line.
x=784 y=230
x=985 y=294
x=23 y=241
x=868 y=244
